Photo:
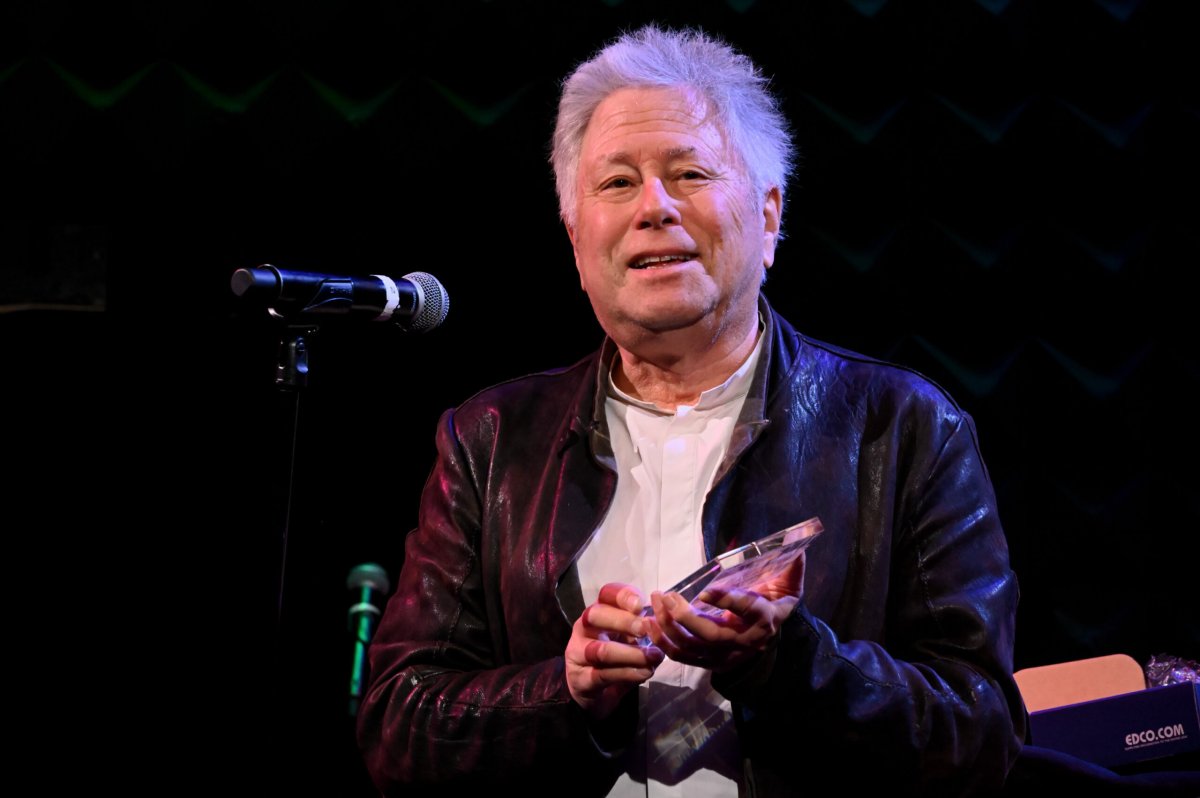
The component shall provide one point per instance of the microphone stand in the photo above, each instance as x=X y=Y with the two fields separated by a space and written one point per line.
x=422 y=304
x=368 y=579
x=418 y=303
x=291 y=378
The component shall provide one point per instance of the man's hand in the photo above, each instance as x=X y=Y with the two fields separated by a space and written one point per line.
x=603 y=658
x=740 y=625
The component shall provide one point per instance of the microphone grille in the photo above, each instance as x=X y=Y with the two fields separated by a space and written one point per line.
x=370 y=575
x=432 y=303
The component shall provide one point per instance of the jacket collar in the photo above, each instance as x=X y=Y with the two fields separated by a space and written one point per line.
x=778 y=360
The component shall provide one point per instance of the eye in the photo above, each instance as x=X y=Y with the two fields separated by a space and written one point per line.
x=618 y=182
x=692 y=176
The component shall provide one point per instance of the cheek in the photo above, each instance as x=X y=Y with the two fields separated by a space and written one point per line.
x=601 y=247
x=724 y=216
x=737 y=213
x=592 y=259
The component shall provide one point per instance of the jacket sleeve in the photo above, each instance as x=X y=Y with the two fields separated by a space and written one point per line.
x=443 y=706
x=931 y=709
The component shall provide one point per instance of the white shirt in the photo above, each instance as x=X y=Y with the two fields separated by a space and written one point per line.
x=651 y=537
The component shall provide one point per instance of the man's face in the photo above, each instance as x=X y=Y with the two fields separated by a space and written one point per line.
x=669 y=232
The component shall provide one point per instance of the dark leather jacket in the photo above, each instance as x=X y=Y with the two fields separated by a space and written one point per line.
x=894 y=671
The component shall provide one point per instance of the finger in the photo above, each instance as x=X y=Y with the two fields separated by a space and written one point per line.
x=659 y=623
x=750 y=612
x=619 y=594
x=789 y=582
x=672 y=635
x=699 y=625
x=677 y=642
x=661 y=641
x=661 y=611
x=610 y=654
x=585 y=679
x=603 y=664
x=735 y=600
x=595 y=679
x=602 y=618
x=795 y=571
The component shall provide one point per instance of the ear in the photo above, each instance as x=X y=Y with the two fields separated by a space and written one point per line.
x=772 y=213
x=575 y=249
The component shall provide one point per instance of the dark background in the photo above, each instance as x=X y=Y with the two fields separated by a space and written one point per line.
x=999 y=194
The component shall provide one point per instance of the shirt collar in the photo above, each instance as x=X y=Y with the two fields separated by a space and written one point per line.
x=751 y=421
x=733 y=389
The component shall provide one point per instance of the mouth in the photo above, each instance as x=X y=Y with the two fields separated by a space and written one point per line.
x=660 y=261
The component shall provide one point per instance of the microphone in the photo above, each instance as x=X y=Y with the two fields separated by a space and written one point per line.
x=416 y=302
x=370 y=581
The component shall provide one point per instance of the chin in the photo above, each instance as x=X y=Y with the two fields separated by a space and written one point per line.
x=663 y=320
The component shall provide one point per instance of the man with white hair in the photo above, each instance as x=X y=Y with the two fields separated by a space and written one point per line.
x=515 y=653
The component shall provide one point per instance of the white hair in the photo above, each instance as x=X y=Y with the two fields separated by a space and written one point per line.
x=651 y=57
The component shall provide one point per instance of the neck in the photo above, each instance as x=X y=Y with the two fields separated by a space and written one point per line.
x=670 y=377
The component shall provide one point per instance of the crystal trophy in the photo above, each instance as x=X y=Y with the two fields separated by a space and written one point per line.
x=748 y=566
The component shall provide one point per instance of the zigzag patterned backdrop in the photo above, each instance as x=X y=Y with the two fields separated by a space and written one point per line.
x=998 y=193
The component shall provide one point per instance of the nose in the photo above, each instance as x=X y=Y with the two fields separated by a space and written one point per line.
x=656 y=207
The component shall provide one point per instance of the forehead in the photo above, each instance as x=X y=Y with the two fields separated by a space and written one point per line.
x=666 y=117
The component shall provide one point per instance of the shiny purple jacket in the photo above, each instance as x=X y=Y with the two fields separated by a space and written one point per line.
x=894 y=672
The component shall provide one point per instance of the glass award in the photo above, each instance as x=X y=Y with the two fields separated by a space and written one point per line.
x=750 y=565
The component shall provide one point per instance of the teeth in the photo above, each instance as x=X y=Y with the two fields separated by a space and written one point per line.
x=643 y=262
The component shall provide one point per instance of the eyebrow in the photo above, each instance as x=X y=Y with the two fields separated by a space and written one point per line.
x=623 y=156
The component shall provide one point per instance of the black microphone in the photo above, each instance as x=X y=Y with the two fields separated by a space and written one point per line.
x=416 y=302
x=370 y=582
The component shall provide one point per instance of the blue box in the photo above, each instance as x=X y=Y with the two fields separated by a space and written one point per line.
x=1123 y=729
